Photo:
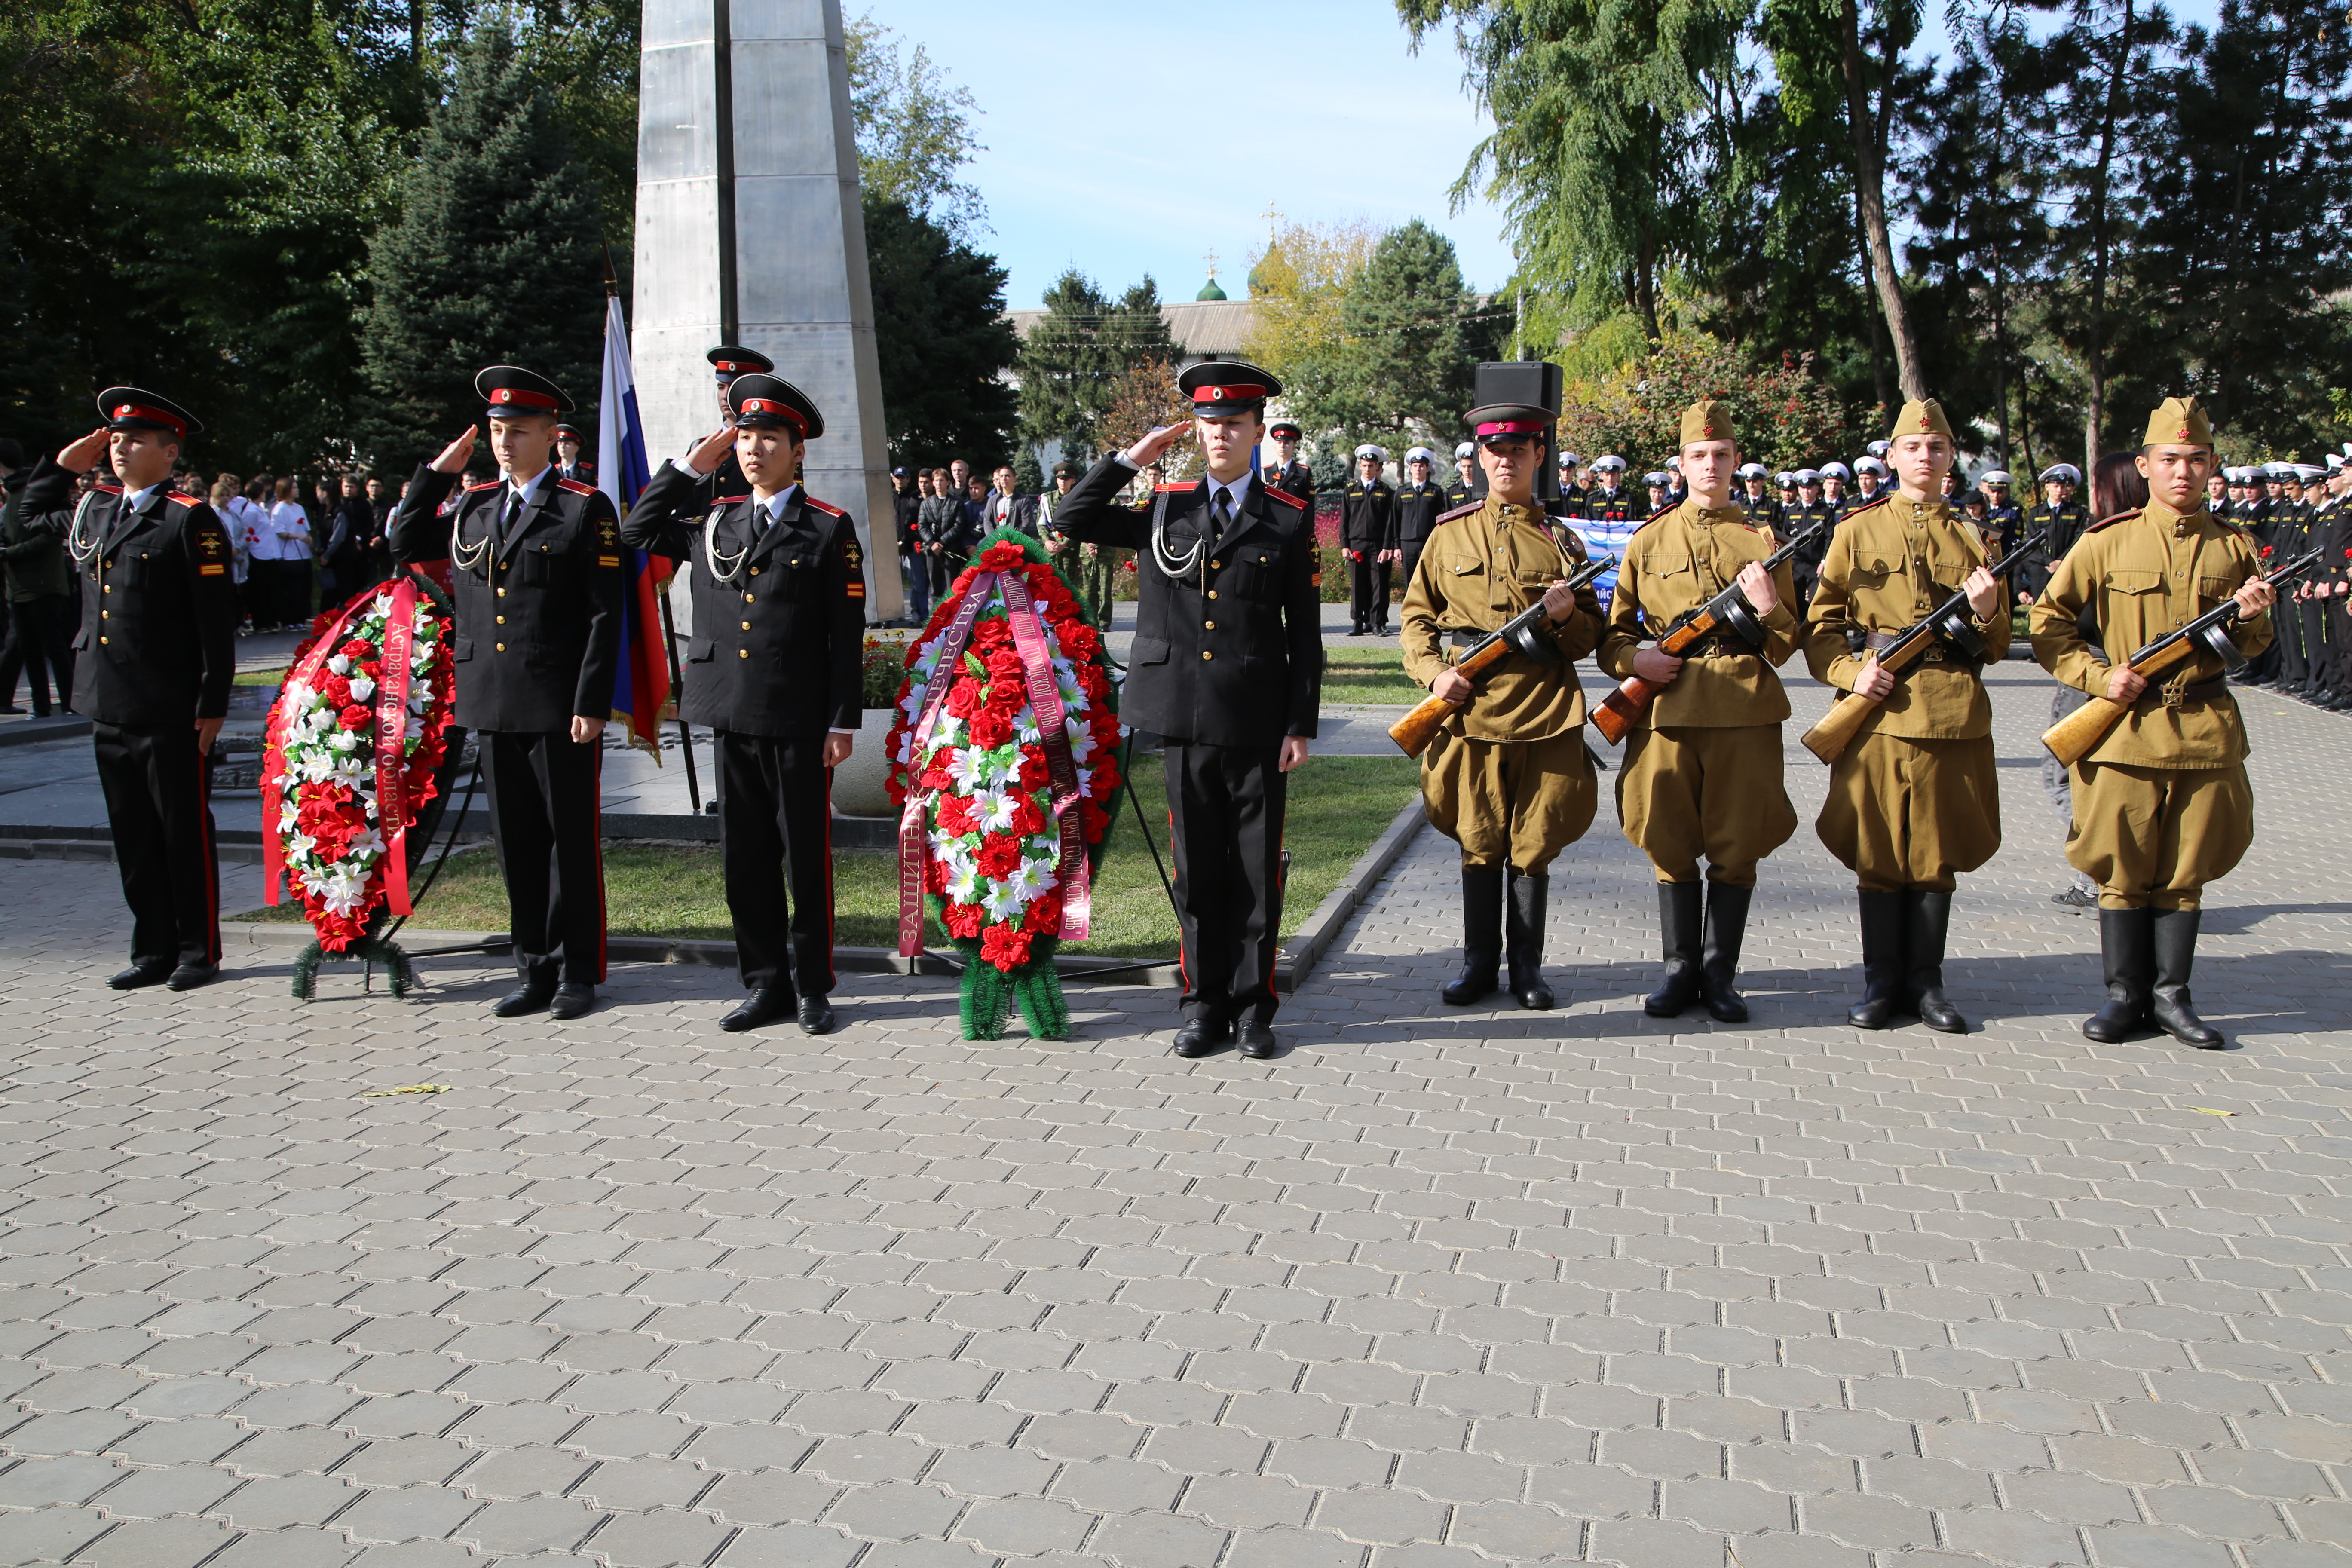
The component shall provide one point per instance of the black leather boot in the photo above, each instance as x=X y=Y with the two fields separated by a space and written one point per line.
x=1927 y=921
x=2127 y=949
x=2175 y=940
x=1726 y=923
x=1482 y=935
x=1526 y=918
x=1882 y=962
x=1679 y=911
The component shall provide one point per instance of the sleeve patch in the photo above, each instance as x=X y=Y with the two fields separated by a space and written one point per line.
x=855 y=589
x=212 y=570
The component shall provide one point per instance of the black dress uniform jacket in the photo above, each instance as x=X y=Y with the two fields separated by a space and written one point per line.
x=1368 y=520
x=158 y=639
x=1298 y=479
x=777 y=648
x=1233 y=654
x=1418 y=508
x=539 y=617
x=1609 y=506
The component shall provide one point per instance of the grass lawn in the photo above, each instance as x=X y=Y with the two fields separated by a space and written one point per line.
x=1368 y=675
x=262 y=677
x=1338 y=806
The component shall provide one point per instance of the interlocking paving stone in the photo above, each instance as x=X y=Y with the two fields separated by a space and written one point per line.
x=1439 y=1288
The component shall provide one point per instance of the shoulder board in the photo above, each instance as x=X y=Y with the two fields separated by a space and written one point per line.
x=1461 y=511
x=1181 y=487
x=485 y=485
x=2231 y=524
x=814 y=505
x=730 y=500
x=2111 y=521
x=1874 y=504
x=1284 y=497
x=187 y=500
x=104 y=488
x=1661 y=513
x=576 y=488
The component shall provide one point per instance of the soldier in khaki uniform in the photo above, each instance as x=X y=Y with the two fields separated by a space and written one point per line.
x=1508 y=778
x=1917 y=797
x=2161 y=806
x=1702 y=772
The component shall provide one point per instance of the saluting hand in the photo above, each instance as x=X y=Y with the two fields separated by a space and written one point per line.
x=1148 y=450
x=453 y=456
x=83 y=455
x=712 y=450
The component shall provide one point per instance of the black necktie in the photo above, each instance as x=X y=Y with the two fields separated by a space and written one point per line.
x=508 y=514
x=1221 y=512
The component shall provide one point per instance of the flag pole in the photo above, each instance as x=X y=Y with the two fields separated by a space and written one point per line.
x=668 y=621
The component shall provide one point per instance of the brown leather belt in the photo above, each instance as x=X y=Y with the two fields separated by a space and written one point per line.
x=1717 y=647
x=1879 y=642
x=2203 y=691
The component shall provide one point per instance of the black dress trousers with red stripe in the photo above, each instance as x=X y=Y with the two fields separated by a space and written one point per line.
x=156 y=653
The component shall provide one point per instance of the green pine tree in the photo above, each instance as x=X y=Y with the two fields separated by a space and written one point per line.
x=1062 y=365
x=941 y=334
x=1406 y=371
x=496 y=259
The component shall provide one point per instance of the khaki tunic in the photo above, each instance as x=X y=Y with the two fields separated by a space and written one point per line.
x=1916 y=799
x=2162 y=804
x=1702 y=766
x=1507 y=776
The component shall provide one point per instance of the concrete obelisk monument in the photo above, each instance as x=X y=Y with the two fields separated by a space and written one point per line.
x=750 y=231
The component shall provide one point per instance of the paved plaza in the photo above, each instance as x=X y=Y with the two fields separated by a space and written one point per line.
x=1436 y=1289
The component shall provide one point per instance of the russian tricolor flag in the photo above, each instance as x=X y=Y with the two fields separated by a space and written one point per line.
x=641 y=693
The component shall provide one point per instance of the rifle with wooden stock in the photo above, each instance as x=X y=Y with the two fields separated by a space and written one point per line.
x=2070 y=738
x=1417 y=729
x=1728 y=611
x=1946 y=622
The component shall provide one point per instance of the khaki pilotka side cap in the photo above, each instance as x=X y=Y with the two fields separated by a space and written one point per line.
x=2179 y=422
x=1707 y=420
x=1923 y=416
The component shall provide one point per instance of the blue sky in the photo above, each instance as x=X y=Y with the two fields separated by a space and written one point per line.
x=1106 y=151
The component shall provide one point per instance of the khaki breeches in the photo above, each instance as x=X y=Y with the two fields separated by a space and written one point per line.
x=1690 y=791
x=1906 y=813
x=2156 y=835
x=1523 y=802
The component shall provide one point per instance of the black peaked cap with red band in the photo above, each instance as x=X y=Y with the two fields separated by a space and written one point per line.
x=1507 y=422
x=511 y=391
x=731 y=360
x=128 y=408
x=1221 y=386
x=763 y=401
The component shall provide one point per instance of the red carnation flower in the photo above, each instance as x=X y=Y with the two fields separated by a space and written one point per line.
x=1004 y=947
x=354 y=718
x=999 y=856
x=963 y=920
x=1001 y=557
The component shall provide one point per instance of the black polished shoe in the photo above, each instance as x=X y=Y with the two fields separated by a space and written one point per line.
x=140 y=974
x=1198 y=1038
x=572 y=999
x=530 y=996
x=188 y=976
x=765 y=1006
x=815 y=1015
x=1680 y=906
x=1257 y=1039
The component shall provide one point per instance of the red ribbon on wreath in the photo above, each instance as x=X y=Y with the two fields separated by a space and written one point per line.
x=392 y=812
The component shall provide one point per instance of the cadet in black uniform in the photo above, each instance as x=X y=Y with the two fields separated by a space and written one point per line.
x=1756 y=500
x=568 y=464
x=1468 y=483
x=1813 y=505
x=154 y=660
x=774 y=671
x=536 y=564
x=1607 y=500
x=1287 y=472
x=1419 y=504
x=1368 y=532
x=728 y=360
x=1227 y=666
x=1569 y=503
x=2061 y=516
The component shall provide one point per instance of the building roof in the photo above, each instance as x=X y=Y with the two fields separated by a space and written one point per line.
x=1203 y=329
